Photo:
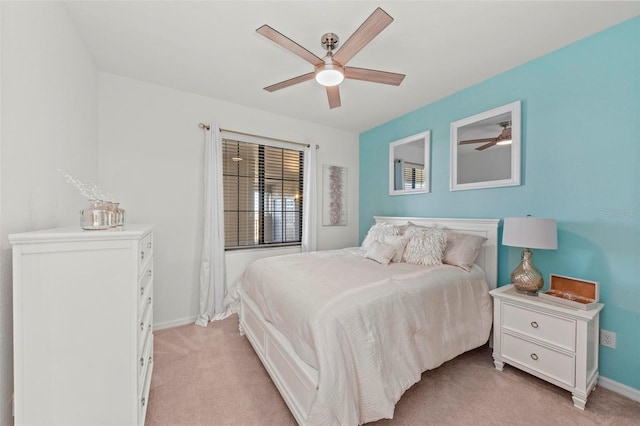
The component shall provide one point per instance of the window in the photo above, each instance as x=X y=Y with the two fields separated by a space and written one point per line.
x=263 y=188
x=413 y=176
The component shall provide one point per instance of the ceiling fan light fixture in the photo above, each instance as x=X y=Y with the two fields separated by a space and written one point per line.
x=504 y=142
x=329 y=74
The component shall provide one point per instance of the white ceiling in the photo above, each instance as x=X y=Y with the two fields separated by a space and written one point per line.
x=211 y=48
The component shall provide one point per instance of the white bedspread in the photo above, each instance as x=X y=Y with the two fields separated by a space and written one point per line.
x=370 y=330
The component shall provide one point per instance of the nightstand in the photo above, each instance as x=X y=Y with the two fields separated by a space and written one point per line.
x=556 y=343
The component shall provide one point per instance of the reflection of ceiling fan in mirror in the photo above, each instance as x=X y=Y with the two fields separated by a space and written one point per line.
x=330 y=71
x=504 y=138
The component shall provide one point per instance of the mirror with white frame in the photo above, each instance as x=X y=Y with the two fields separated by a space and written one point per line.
x=485 y=149
x=409 y=160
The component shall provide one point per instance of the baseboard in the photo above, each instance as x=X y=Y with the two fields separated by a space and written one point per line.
x=618 y=387
x=174 y=323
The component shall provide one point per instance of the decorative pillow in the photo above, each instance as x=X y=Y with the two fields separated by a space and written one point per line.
x=378 y=232
x=410 y=225
x=403 y=228
x=381 y=253
x=426 y=246
x=399 y=243
x=462 y=249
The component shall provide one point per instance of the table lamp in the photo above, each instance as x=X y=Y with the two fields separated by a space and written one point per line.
x=529 y=233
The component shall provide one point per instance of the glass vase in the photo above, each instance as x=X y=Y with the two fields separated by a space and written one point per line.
x=96 y=216
x=119 y=214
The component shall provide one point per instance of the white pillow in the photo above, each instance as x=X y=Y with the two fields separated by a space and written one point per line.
x=462 y=249
x=378 y=232
x=399 y=243
x=426 y=246
x=381 y=253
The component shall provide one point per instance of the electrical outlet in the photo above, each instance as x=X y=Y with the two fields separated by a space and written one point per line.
x=608 y=339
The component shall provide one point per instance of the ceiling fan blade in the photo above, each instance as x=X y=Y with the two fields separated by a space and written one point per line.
x=370 y=28
x=477 y=141
x=373 y=75
x=289 y=44
x=333 y=94
x=485 y=146
x=290 y=82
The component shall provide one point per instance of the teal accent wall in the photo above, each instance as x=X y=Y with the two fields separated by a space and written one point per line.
x=580 y=165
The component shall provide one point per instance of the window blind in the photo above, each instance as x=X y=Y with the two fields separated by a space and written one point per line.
x=413 y=176
x=263 y=187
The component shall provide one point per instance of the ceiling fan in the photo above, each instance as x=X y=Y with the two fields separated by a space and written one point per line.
x=331 y=70
x=504 y=138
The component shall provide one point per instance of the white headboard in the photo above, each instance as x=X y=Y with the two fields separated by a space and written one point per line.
x=487 y=258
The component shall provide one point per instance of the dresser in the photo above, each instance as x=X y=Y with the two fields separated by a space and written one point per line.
x=554 y=342
x=82 y=325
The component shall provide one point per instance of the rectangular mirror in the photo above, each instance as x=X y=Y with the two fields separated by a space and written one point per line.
x=409 y=160
x=485 y=149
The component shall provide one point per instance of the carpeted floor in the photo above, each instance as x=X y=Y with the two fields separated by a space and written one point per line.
x=211 y=376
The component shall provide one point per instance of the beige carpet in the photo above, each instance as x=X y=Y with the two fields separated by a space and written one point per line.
x=211 y=376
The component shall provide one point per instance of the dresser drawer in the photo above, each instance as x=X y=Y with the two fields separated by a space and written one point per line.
x=144 y=291
x=553 y=364
x=145 y=359
x=552 y=329
x=145 y=325
x=146 y=251
x=143 y=396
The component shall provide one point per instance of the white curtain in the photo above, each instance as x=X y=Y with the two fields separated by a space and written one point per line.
x=212 y=267
x=399 y=175
x=309 y=205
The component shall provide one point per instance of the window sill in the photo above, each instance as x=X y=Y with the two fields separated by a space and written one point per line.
x=262 y=247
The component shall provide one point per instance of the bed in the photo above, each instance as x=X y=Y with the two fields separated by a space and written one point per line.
x=343 y=336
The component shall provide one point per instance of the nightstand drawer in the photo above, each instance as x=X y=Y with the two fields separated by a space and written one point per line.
x=552 y=329
x=553 y=364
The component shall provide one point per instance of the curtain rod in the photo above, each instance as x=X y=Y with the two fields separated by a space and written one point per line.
x=206 y=127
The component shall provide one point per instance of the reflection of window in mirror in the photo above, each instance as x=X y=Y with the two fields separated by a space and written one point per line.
x=409 y=164
x=408 y=175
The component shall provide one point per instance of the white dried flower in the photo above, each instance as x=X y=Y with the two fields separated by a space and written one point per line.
x=89 y=190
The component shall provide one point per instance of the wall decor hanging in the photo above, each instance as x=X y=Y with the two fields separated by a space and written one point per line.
x=334 y=195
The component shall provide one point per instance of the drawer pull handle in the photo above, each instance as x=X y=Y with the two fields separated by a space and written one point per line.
x=144 y=401
x=141 y=326
x=141 y=255
x=141 y=362
x=534 y=324
x=149 y=327
x=149 y=301
x=149 y=272
x=534 y=357
x=141 y=291
x=149 y=245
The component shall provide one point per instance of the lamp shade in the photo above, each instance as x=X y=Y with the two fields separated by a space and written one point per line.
x=329 y=74
x=530 y=232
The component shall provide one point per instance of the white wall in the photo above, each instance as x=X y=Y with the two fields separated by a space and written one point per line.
x=49 y=87
x=151 y=156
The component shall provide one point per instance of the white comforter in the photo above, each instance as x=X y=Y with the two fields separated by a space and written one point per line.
x=369 y=329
